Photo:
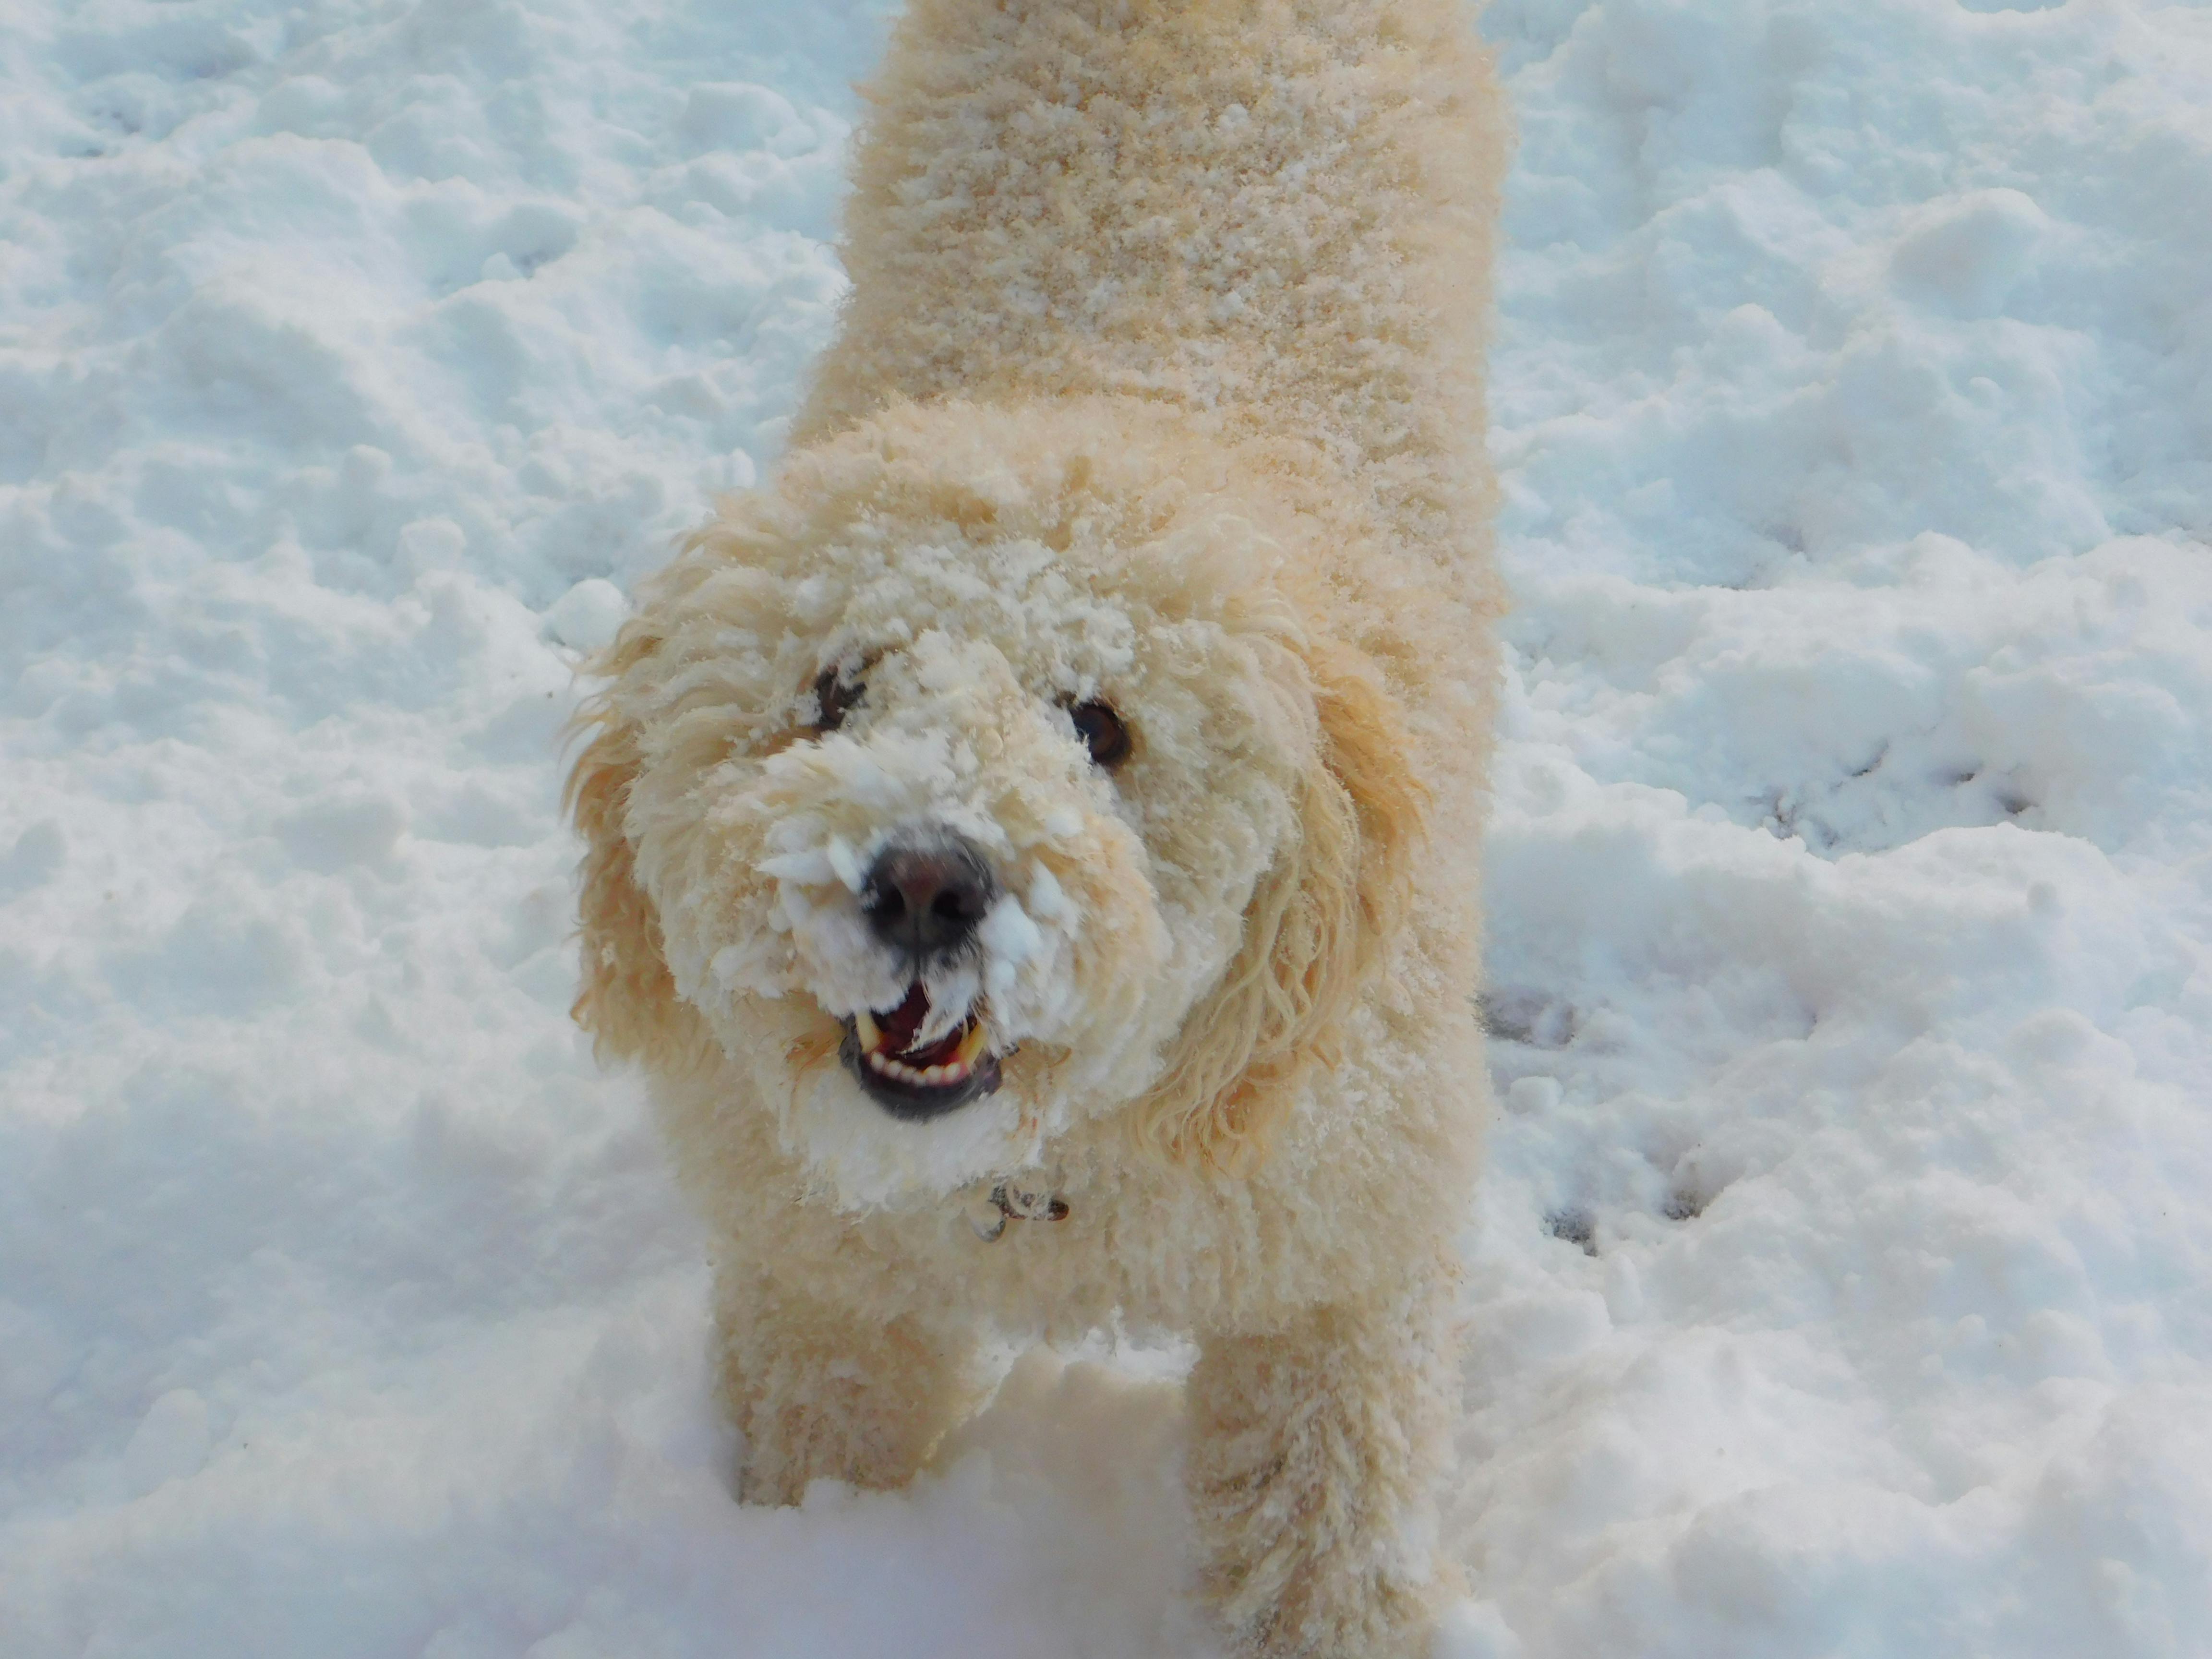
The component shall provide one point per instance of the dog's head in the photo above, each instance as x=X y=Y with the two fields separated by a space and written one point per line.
x=987 y=770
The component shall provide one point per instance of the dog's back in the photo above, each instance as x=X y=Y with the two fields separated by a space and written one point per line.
x=1276 y=211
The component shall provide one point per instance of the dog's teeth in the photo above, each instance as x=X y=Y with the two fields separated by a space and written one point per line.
x=956 y=1068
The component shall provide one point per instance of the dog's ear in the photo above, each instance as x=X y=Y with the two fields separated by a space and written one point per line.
x=628 y=998
x=1318 y=924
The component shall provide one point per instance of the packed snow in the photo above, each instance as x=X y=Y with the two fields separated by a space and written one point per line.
x=1841 y=1283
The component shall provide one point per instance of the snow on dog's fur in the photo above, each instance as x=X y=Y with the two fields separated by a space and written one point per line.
x=1031 y=837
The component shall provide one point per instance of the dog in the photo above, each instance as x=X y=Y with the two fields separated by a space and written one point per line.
x=1031 y=837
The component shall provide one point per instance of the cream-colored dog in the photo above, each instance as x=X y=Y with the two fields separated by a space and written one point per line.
x=1032 y=836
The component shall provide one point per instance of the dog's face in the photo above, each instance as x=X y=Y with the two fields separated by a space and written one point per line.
x=968 y=782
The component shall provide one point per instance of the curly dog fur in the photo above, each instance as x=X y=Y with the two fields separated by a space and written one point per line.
x=1097 y=699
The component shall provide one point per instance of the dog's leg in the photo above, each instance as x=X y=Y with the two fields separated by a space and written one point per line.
x=820 y=1390
x=1315 y=1455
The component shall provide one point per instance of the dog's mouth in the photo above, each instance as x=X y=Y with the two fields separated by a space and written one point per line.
x=918 y=1080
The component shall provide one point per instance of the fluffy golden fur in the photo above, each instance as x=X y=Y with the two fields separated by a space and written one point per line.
x=1158 y=387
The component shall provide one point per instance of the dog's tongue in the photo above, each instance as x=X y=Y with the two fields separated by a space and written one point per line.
x=903 y=1023
x=899 y=1025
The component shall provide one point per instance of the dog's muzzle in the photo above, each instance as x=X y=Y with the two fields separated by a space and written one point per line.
x=924 y=898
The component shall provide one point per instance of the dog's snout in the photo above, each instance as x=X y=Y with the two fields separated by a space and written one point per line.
x=928 y=899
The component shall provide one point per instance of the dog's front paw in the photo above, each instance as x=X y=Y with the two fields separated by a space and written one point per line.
x=1288 y=1587
x=845 y=1434
x=818 y=1394
x=1314 y=1457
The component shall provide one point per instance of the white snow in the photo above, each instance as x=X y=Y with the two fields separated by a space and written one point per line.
x=1842 y=1279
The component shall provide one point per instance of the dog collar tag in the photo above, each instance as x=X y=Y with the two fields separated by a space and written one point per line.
x=1007 y=1202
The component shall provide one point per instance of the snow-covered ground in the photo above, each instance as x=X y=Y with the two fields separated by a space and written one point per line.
x=1842 y=1281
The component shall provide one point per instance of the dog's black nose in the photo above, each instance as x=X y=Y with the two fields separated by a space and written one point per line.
x=925 y=897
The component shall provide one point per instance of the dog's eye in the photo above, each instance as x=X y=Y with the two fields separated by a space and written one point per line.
x=835 y=699
x=1101 y=731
